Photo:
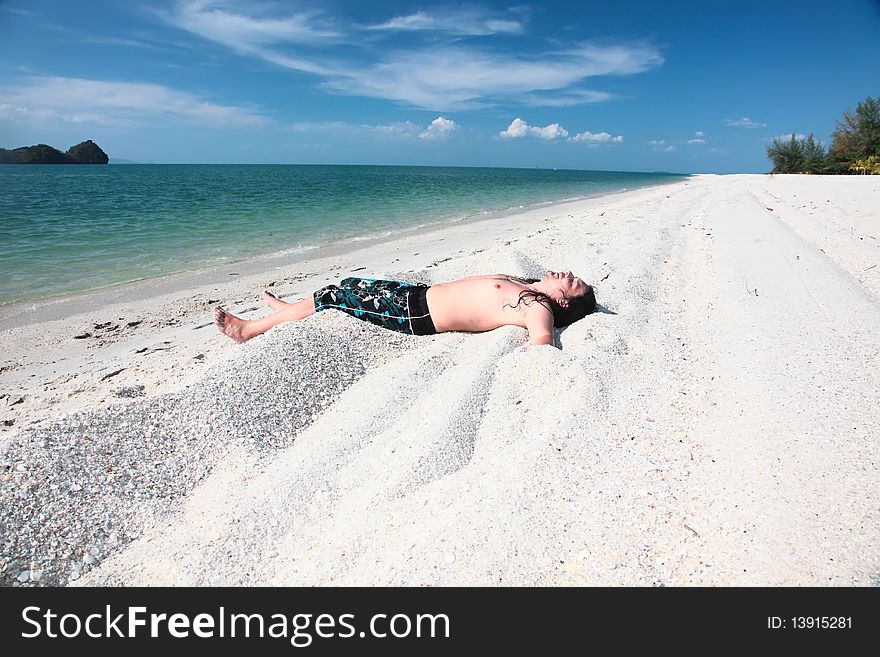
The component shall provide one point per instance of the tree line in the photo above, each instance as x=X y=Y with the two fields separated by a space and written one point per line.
x=855 y=146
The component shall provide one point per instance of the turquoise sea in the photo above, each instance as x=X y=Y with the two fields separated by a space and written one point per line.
x=70 y=228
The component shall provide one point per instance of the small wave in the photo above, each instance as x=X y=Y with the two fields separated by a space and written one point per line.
x=294 y=250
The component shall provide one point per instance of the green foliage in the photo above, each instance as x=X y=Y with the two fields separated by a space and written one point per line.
x=797 y=155
x=787 y=156
x=870 y=165
x=814 y=156
x=856 y=137
x=855 y=147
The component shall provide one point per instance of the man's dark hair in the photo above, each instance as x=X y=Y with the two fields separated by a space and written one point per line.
x=578 y=307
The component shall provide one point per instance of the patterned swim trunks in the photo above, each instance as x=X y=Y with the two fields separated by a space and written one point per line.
x=391 y=304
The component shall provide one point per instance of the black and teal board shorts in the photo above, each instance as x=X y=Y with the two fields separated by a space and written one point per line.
x=391 y=304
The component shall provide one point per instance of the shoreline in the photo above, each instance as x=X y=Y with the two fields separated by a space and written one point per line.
x=18 y=313
x=715 y=423
x=342 y=229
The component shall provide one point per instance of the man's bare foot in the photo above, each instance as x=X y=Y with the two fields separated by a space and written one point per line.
x=229 y=324
x=274 y=302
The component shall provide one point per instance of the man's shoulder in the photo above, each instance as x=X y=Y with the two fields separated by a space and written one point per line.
x=536 y=311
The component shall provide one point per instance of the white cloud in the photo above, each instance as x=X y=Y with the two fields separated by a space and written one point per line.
x=744 y=122
x=321 y=126
x=18 y=113
x=256 y=36
x=661 y=145
x=696 y=141
x=117 y=41
x=467 y=78
x=549 y=132
x=455 y=76
x=596 y=138
x=787 y=137
x=440 y=128
x=18 y=11
x=566 y=98
x=225 y=25
x=699 y=133
x=465 y=22
x=519 y=128
x=99 y=101
x=395 y=129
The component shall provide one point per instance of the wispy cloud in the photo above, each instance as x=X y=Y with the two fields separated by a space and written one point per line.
x=440 y=128
x=263 y=36
x=454 y=76
x=698 y=138
x=222 y=23
x=322 y=126
x=397 y=129
x=662 y=146
x=464 y=22
x=519 y=128
x=141 y=40
x=468 y=78
x=116 y=41
x=18 y=11
x=744 y=122
x=566 y=98
x=394 y=129
x=100 y=101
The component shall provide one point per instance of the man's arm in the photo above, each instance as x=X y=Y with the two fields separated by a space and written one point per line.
x=539 y=322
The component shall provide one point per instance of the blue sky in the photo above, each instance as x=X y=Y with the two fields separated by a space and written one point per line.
x=652 y=86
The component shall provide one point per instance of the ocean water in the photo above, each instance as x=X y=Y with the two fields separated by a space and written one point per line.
x=67 y=229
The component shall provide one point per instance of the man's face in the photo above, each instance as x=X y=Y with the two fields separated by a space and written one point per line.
x=565 y=284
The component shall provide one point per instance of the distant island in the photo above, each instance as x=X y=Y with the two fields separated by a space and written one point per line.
x=87 y=152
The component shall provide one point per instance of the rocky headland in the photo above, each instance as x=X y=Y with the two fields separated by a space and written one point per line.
x=87 y=152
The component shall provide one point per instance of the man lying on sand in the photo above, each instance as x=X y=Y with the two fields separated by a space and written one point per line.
x=473 y=305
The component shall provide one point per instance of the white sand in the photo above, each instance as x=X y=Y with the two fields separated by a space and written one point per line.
x=718 y=425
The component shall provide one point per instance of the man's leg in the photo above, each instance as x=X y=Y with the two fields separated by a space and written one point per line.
x=242 y=330
x=274 y=302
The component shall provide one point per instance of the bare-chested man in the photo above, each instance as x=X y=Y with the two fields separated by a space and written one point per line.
x=473 y=304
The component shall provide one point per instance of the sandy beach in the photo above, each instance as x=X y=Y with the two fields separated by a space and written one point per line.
x=717 y=422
